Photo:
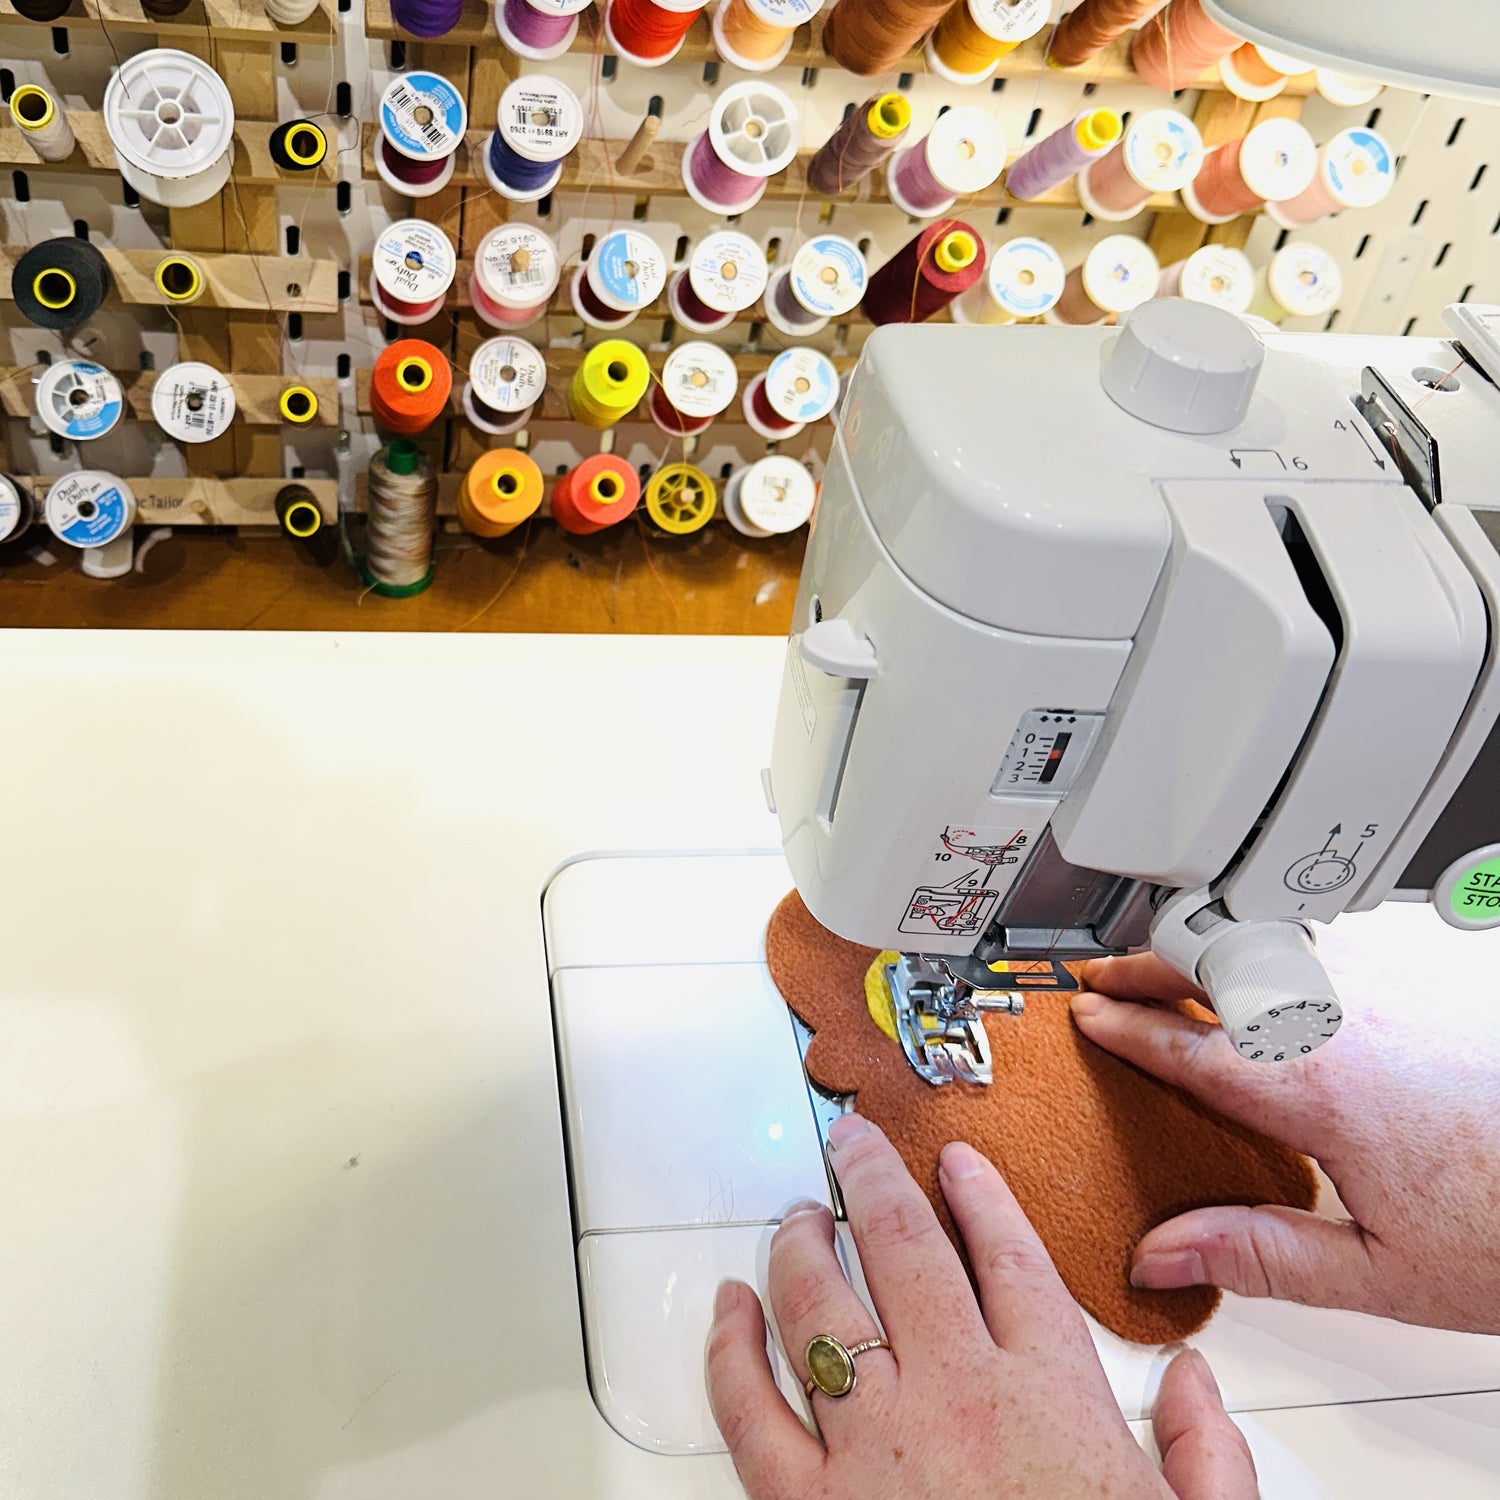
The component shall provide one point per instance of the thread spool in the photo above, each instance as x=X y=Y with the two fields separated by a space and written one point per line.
x=79 y=400
x=974 y=35
x=516 y=271
x=540 y=121
x=870 y=37
x=752 y=134
x=1023 y=279
x=60 y=283
x=297 y=512
x=698 y=381
x=942 y=262
x=42 y=10
x=502 y=488
x=1216 y=274
x=507 y=377
x=827 y=278
x=298 y=145
x=538 y=29
x=42 y=123
x=409 y=386
x=601 y=491
x=401 y=512
x=427 y=18
x=1299 y=281
x=17 y=509
x=756 y=35
x=681 y=499
x=1160 y=152
x=89 y=508
x=1355 y=169
x=411 y=270
x=192 y=402
x=648 y=34
x=800 y=386
x=770 y=497
x=290 y=12
x=178 y=278
x=422 y=119
x=1178 y=44
x=1089 y=28
x=864 y=140
x=298 y=405
x=1257 y=73
x=1064 y=153
x=727 y=274
x=608 y=384
x=625 y=273
x=1118 y=273
x=170 y=120
x=1274 y=160
x=963 y=153
x=1346 y=90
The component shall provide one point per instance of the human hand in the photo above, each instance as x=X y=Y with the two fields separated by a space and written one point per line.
x=975 y=1398
x=1399 y=1115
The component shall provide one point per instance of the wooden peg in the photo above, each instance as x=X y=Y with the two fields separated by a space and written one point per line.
x=640 y=143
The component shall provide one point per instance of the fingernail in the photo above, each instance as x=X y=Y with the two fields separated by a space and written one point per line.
x=960 y=1161
x=845 y=1129
x=1162 y=1269
x=725 y=1298
x=1198 y=1368
x=803 y=1206
x=1087 y=1003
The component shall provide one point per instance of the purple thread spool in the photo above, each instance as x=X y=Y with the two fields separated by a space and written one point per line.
x=541 y=30
x=427 y=18
x=1064 y=153
x=963 y=153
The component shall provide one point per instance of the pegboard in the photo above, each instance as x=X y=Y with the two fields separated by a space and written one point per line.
x=1434 y=240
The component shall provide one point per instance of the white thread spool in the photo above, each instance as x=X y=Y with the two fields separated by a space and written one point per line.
x=726 y=275
x=827 y=278
x=40 y=118
x=625 y=273
x=770 y=497
x=1118 y=273
x=422 y=119
x=171 y=121
x=1346 y=90
x=1216 y=274
x=1299 y=281
x=1023 y=279
x=516 y=271
x=79 y=400
x=192 y=402
x=507 y=377
x=89 y=509
x=290 y=12
x=411 y=270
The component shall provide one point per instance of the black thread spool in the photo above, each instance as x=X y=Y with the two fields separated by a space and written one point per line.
x=17 y=509
x=42 y=10
x=163 y=10
x=60 y=283
x=298 y=146
x=301 y=520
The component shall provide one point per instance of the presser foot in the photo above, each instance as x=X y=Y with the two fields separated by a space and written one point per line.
x=939 y=1019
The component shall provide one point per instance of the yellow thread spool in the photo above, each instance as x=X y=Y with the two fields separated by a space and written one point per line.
x=413 y=375
x=955 y=251
x=888 y=116
x=963 y=46
x=305 y=144
x=54 y=288
x=298 y=405
x=681 y=499
x=609 y=384
x=177 y=278
x=501 y=489
x=1098 y=129
x=32 y=108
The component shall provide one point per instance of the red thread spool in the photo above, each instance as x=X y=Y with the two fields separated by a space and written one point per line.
x=1088 y=29
x=673 y=422
x=646 y=32
x=926 y=274
x=408 y=170
x=1177 y=44
x=591 y=303
x=410 y=386
x=760 y=404
x=602 y=491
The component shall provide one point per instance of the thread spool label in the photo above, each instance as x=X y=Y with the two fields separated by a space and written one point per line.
x=508 y=374
x=965 y=150
x=1358 y=168
x=12 y=509
x=518 y=266
x=1120 y=273
x=783 y=12
x=1026 y=277
x=414 y=261
x=1277 y=159
x=540 y=118
x=79 y=400
x=1013 y=21
x=192 y=402
x=1163 y=150
x=559 y=7
x=627 y=270
x=1304 y=280
x=423 y=116
x=699 y=379
x=89 y=509
x=802 y=385
x=828 y=275
x=728 y=271
x=776 y=494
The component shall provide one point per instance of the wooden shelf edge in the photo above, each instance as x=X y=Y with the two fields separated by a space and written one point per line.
x=208 y=502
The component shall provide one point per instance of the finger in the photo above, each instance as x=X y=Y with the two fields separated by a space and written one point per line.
x=1282 y=1100
x=811 y=1295
x=1269 y=1251
x=776 y=1457
x=909 y=1263
x=1025 y=1304
x=1204 y=1456
x=1140 y=976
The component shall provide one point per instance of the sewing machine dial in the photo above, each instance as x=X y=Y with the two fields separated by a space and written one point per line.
x=1046 y=753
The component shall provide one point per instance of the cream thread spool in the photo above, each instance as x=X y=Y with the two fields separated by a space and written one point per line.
x=1023 y=279
x=40 y=118
x=1299 y=281
x=290 y=12
x=1356 y=169
x=1216 y=274
x=770 y=497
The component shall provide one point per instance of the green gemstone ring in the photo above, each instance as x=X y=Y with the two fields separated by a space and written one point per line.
x=830 y=1365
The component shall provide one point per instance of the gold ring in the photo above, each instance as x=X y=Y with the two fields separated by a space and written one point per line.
x=830 y=1365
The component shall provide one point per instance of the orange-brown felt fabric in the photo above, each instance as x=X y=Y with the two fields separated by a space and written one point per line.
x=1096 y=1152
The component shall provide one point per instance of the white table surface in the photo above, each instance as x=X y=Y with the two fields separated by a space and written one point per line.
x=280 y=1157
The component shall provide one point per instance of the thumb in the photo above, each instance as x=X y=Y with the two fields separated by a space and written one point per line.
x=1269 y=1251
x=1204 y=1456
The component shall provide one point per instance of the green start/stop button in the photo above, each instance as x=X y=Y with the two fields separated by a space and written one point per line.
x=1467 y=894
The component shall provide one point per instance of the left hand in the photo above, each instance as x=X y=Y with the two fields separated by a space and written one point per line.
x=985 y=1397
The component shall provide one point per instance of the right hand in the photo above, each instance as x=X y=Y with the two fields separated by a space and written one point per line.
x=1402 y=1117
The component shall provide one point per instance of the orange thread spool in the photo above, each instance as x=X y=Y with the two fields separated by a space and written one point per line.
x=649 y=33
x=966 y=49
x=1085 y=32
x=744 y=33
x=602 y=491
x=1220 y=187
x=872 y=36
x=501 y=489
x=410 y=386
x=1177 y=44
x=1254 y=69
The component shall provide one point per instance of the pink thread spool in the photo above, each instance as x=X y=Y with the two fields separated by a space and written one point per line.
x=963 y=153
x=752 y=134
x=1275 y=160
x=539 y=29
x=1356 y=169
x=1160 y=152
x=516 y=271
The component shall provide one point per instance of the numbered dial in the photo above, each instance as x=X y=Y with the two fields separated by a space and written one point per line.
x=1271 y=993
x=1046 y=753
